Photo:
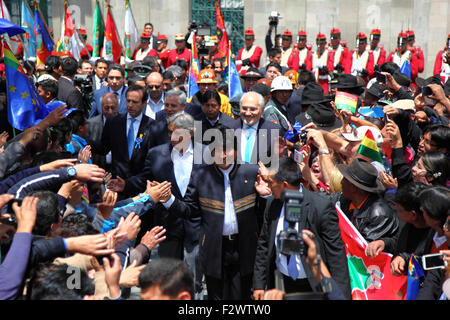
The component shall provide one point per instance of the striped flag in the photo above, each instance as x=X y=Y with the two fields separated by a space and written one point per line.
x=98 y=31
x=44 y=43
x=369 y=148
x=370 y=278
x=69 y=39
x=194 y=70
x=131 y=33
x=111 y=45
x=221 y=30
x=415 y=273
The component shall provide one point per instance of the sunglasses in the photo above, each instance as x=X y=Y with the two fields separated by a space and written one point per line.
x=154 y=87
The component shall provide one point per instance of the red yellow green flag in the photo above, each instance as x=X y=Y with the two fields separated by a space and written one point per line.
x=369 y=149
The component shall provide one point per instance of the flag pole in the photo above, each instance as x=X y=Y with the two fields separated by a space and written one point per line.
x=229 y=68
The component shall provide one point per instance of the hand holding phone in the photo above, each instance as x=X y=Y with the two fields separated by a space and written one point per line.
x=380 y=77
x=426 y=91
x=433 y=261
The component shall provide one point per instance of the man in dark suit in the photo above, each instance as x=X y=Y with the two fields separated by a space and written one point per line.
x=224 y=195
x=175 y=102
x=116 y=85
x=67 y=91
x=274 y=269
x=211 y=116
x=172 y=162
x=110 y=107
x=127 y=136
x=256 y=137
x=100 y=70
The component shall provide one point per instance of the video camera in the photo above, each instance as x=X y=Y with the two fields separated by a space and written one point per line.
x=84 y=83
x=289 y=241
x=274 y=18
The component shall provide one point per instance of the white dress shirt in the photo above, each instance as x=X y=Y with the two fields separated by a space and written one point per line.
x=98 y=82
x=182 y=167
x=230 y=225
x=118 y=95
x=244 y=138
x=136 y=124
x=281 y=259
x=153 y=107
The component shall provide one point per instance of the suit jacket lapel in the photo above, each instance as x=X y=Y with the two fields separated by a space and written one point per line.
x=123 y=134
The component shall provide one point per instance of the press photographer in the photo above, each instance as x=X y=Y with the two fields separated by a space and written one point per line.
x=201 y=32
x=274 y=20
x=83 y=82
x=284 y=218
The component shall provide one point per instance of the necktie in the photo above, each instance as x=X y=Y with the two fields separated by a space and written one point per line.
x=292 y=263
x=249 y=145
x=130 y=138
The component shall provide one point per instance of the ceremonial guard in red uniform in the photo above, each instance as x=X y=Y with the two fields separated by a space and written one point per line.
x=361 y=59
x=323 y=62
x=250 y=55
x=440 y=67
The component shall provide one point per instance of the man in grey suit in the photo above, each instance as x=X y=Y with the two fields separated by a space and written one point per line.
x=110 y=107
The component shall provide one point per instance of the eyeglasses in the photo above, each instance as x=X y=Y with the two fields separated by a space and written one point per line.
x=154 y=87
x=446 y=226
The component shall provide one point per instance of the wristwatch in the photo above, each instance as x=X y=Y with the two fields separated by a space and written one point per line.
x=324 y=151
x=72 y=172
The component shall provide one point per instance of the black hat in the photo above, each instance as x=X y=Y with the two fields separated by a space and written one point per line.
x=376 y=89
x=402 y=79
x=235 y=104
x=363 y=175
x=347 y=81
x=252 y=73
x=142 y=70
x=436 y=79
x=420 y=82
x=312 y=93
x=322 y=115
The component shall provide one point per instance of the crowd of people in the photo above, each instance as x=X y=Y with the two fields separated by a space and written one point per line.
x=130 y=183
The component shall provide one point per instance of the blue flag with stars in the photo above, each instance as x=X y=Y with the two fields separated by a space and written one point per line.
x=25 y=107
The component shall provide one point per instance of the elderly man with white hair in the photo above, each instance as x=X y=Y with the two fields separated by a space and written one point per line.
x=256 y=136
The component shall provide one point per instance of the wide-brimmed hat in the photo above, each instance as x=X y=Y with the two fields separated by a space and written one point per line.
x=312 y=93
x=252 y=73
x=359 y=133
x=405 y=104
x=322 y=115
x=377 y=89
x=363 y=175
x=347 y=81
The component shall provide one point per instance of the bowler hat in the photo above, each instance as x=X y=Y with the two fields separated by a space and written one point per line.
x=312 y=93
x=377 y=89
x=252 y=73
x=363 y=175
x=347 y=81
x=322 y=115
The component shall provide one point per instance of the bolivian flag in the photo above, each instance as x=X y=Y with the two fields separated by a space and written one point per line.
x=368 y=147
